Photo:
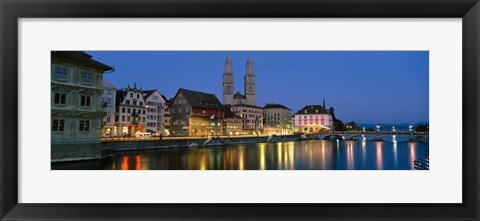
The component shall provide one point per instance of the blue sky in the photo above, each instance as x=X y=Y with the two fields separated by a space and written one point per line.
x=364 y=86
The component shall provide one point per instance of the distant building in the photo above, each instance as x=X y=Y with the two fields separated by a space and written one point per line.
x=313 y=119
x=166 y=115
x=249 y=96
x=155 y=112
x=108 y=103
x=195 y=113
x=232 y=123
x=76 y=105
x=277 y=119
x=131 y=115
x=252 y=118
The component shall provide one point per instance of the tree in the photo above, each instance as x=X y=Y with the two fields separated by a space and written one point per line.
x=422 y=128
x=351 y=126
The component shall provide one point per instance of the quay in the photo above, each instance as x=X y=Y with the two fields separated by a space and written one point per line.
x=126 y=144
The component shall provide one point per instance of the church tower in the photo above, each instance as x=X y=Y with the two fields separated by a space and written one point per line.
x=228 y=82
x=250 y=87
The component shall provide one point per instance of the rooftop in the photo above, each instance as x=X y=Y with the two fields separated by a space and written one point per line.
x=80 y=57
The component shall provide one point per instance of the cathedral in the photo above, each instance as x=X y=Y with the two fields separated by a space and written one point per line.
x=229 y=98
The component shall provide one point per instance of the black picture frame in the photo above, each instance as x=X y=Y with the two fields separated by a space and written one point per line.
x=11 y=11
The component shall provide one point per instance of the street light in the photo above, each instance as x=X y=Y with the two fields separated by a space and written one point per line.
x=378 y=128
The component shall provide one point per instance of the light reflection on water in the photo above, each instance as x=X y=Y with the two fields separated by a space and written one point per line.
x=293 y=155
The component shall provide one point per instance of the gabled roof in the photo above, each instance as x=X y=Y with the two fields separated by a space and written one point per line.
x=148 y=93
x=200 y=99
x=238 y=95
x=79 y=57
x=313 y=109
x=267 y=106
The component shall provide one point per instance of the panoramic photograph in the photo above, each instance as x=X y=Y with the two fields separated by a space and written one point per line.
x=239 y=110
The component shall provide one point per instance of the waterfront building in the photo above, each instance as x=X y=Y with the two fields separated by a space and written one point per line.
x=155 y=105
x=252 y=117
x=108 y=103
x=195 y=113
x=232 y=123
x=166 y=115
x=76 y=105
x=277 y=119
x=249 y=96
x=313 y=119
x=131 y=115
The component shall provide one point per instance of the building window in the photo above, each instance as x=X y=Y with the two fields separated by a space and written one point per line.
x=143 y=111
x=58 y=125
x=138 y=95
x=141 y=103
x=128 y=118
x=134 y=102
x=86 y=77
x=123 y=110
x=127 y=102
x=84 y=125
x=128 y=110
x=61 y=73
x=123 y=118
x=60 y=98
x=108 y=119
x=85 y=101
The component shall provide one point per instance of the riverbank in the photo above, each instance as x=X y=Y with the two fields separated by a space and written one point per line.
x=110 y=147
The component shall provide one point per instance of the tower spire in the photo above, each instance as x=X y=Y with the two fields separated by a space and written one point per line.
x=249 y=68
x=228 y=66
x=323 y=102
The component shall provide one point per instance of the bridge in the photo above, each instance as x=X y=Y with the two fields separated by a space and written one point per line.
x=371 y=135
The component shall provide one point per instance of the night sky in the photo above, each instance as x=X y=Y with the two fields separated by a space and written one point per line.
x=363 y=86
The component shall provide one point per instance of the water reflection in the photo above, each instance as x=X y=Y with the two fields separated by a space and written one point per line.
x=295 y=155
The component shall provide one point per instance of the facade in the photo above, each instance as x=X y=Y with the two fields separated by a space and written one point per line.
x=313 y=119
x=155 y=112
x=249 y=96
x=195 y=113
x=76 y=105
x=108 y=103
x=131 y=112
x=277 y=119
x=252 y=117
x=232 y=123
x=166 y=115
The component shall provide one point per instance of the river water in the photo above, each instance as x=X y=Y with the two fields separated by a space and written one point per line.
x=291 y=155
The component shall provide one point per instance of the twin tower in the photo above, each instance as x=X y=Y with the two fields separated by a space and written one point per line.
x=249 y=86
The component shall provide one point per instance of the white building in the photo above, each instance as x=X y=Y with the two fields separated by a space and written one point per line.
x=131 y=114
x=313 y=119
x=108 y=104
x=76 y=105
x=155 y=105
x=277 y=119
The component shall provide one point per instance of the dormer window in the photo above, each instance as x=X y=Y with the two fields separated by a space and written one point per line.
x=305 y=111
x=316 y=111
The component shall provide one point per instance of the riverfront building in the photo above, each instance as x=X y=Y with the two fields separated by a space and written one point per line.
x=131 y=115
x=313 y=119
x=277 y=119
x=232 y=123
x=155 y=112
x=195 y=113
x=249 y=96
x=252 y=117
x=76 y=105
x=108 y=103
x=166 y=115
